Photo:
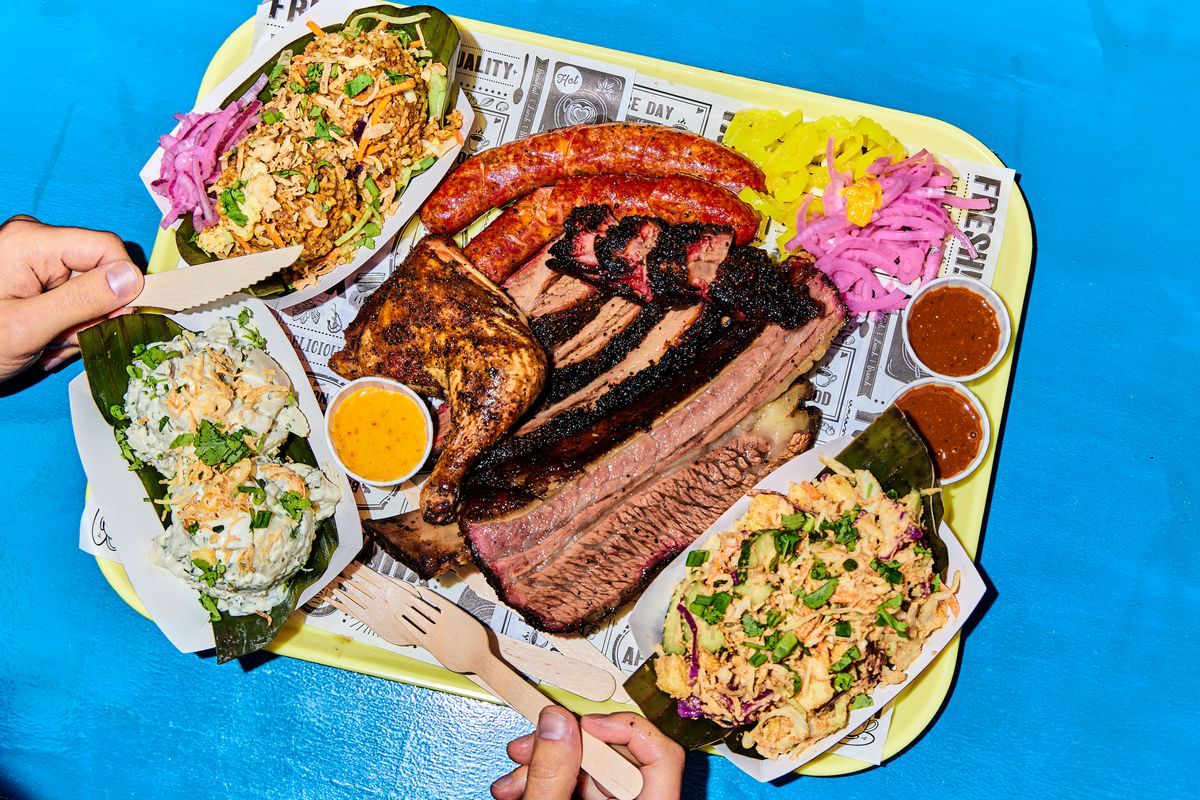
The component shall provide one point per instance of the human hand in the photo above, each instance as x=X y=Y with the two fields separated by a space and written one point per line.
x=54 y=282
x=549 y=758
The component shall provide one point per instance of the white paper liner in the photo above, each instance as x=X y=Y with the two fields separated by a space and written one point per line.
x=131 y=524
x=330 y=12
x=649 y=615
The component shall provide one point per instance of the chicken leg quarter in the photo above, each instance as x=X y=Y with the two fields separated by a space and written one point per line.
x=440 y=326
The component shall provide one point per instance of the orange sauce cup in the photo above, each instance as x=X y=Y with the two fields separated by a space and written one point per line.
x=379 y=431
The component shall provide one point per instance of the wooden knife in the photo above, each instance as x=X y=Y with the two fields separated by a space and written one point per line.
x=197 y=285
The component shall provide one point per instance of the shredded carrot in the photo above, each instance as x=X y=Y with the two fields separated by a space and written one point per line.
x=245 y=244
x=458 y=135
x=375 y=148
x=274 y=236
x=395 y=89
x=315 y=28
x=416 y=44
x=380 y=107
x=382 y=26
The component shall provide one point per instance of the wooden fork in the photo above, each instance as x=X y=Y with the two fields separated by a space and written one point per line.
x=398 y=609
x=589 y=681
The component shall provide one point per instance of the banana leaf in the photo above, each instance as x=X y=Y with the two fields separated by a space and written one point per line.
x=107 y=351
x=441 y=38
x=892 y=450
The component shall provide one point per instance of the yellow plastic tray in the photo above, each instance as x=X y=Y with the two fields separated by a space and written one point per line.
x=966 y=501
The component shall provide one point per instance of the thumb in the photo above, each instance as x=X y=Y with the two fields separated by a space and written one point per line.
x=86 y=297
x=557 y=752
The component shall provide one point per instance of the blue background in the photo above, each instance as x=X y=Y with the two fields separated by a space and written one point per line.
x=1078 y=681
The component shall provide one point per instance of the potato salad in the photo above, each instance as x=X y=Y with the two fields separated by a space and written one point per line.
x=211 y=412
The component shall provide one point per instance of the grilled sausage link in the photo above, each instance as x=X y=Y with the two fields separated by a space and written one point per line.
x=537 y=218
x=496 y=177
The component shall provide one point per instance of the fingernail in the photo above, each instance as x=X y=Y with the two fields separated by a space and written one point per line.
x=500 y=784
x=122 y=279
x=553 y=726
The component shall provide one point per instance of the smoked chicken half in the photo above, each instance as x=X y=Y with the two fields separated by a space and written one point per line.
x=440 y=326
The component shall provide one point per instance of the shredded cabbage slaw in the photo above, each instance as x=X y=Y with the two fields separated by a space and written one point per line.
x=789 y=621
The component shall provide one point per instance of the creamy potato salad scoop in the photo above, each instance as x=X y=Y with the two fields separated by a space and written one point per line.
x=211 y=412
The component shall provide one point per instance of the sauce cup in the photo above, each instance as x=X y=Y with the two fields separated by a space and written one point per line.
x=984 y=291
x=985 y=436
x=389 y=385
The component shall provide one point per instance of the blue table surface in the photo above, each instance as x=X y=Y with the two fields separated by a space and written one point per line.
x=1075 y=682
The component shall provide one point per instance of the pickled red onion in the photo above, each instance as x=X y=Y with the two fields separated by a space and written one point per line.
x=191 y=156
x=903 y=239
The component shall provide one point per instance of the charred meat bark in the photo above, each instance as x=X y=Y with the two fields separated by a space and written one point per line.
x=440 y=326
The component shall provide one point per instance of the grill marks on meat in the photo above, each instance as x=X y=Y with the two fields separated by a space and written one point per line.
x=440 y=326
x=633 y=536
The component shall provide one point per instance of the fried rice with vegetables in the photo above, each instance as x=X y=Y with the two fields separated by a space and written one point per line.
x=791 y=619
x=346 y=125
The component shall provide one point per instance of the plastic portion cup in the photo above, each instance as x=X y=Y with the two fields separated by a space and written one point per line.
x=386 y=384
x=985 y=438
x=983 y=290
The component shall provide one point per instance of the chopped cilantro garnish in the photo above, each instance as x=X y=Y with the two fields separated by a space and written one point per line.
x=220 y=450
x=192 y=528
x=773 y=618
x=183 y=440
x=230 y=199
x=890 y=572
x=357 y=85
x=271 y=117
x=848 y=658
x=314 y=70
x=286 y=173
x=861 y=701
x=209 y=573
x=162 y=423
x=819 y=571
x=313 y=186
x=697 y=558
x=922 y=551
x=785 y=545
x=396 y=77
x=820 y=596
x=884 y=616
x=210 y=605
x=750 y=625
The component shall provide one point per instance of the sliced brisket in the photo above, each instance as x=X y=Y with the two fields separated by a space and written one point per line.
x=745 y=384
x=554 y=585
